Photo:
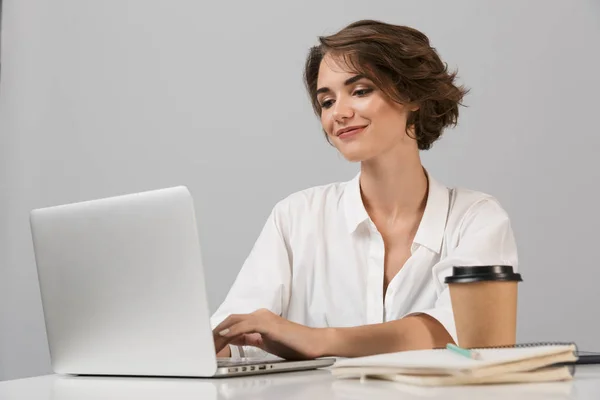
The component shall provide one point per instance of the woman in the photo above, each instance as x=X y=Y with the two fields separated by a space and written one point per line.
x=357 y=268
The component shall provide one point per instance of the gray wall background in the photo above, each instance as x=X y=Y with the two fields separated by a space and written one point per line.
x=99 y=98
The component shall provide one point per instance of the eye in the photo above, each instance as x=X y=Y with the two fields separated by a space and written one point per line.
x=362 y=92
x=327 y=104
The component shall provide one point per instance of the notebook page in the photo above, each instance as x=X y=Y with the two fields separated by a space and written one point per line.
x=446 y=359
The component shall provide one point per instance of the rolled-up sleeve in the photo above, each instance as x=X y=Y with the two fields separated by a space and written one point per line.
x=484 y=237
x=263 y=281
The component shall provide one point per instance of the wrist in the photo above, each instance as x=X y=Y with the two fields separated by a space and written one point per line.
x=327 y=340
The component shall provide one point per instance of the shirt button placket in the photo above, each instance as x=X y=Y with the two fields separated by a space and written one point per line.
x=375 y=276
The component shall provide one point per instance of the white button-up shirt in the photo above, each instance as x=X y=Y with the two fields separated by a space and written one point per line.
x=319 y=260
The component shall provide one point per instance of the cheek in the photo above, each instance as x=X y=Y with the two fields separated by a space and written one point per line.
x=376 y=109
x=380 y=110
x=327 y=121
x=367 y=107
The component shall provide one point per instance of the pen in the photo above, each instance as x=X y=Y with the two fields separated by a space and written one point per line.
x=465 y=352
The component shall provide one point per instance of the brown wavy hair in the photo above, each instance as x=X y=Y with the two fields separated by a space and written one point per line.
x=402 y=64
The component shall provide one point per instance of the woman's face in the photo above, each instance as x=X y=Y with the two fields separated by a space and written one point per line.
x=359 y=119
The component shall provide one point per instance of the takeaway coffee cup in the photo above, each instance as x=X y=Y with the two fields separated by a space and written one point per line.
x=484 y=302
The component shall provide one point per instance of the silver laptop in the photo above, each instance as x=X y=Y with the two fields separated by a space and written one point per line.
x=123 y=290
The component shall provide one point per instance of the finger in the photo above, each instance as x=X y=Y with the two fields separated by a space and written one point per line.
x=222 y=341
x=227 y=322
x=219 y=339
x=238 y=341
x=251 y=339
x=245 y=326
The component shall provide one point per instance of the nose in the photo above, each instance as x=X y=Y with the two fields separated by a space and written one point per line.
x=342 y=110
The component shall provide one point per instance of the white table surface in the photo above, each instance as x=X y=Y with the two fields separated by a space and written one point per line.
x=310 y=385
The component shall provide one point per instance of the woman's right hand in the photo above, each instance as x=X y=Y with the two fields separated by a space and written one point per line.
x=222 y=343
x=273 y=334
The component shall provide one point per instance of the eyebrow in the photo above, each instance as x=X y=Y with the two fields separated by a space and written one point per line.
x=348 y=81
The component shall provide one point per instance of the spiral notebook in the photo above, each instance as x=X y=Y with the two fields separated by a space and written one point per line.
x=532 y=362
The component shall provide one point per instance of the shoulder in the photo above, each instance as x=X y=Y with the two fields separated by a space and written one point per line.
x=466 y=204
x=479 y=230
x=465 y=201
x=311 y=200
x=308 y=210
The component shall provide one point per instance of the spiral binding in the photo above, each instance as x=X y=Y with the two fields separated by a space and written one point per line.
x=520 y=345
x=529 y=344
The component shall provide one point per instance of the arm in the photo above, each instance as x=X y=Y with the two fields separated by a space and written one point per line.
x=409 y=333
x=484 y=237
x=262 y=283
x=294 y=341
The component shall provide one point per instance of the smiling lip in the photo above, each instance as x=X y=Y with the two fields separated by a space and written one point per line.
x=350 y=131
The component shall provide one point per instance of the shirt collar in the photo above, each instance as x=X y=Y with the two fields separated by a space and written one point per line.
x=353 y=205
x=433 y=224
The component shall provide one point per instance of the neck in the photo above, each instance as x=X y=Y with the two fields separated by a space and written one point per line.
x=394 y=186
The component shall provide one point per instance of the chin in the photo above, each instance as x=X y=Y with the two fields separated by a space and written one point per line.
x=355 y=150
x=354 y=156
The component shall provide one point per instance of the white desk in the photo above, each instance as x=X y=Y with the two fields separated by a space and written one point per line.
x=311 y=385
